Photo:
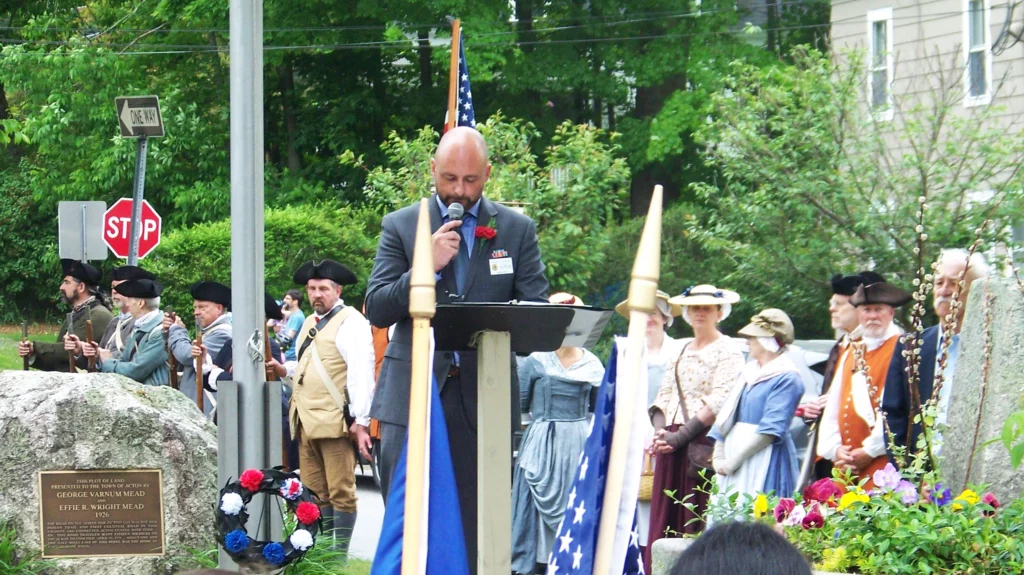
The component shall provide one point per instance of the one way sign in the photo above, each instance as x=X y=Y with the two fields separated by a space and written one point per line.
x=139 y=116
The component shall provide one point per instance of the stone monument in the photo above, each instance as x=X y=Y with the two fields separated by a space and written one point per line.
x=988 y=386
x=103 y=475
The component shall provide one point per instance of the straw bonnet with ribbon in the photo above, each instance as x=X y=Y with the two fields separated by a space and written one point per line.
x=565 y=298
x=706 y=294
x=663 y=303
x=770 y=323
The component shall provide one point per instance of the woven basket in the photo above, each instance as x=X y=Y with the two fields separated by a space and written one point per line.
x=647 y=479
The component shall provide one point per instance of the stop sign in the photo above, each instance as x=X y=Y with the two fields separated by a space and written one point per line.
x=117 y=224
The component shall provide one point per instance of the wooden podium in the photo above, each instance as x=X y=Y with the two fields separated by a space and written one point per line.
x=494 y=331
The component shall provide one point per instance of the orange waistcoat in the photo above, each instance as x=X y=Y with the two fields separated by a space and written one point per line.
x=852 y=429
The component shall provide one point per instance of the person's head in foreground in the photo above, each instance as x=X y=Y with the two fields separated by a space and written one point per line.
x=741 y=549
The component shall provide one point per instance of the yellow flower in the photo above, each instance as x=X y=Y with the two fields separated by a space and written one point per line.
x=760 y=505
x=969 y=497
x=851 y=497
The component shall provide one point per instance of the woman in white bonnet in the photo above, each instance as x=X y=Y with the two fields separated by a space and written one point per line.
x=696 y=381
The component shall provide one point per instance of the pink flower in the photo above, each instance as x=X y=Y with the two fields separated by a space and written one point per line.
x=887 y=478
x=784 y=508
x=823 y=491
x=991 y=501
x=814 y=519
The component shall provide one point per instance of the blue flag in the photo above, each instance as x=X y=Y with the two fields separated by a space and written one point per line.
x=576 y=542
x=444 y=546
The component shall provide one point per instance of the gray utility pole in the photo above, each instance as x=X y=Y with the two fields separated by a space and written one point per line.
x=249 y=409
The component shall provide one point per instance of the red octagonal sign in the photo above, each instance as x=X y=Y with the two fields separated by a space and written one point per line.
x=117 y=224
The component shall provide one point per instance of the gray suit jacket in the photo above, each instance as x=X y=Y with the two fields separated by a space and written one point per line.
x=387 y=297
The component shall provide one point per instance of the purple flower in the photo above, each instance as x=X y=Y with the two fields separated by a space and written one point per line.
x=942 y=495
x=888 y=478
x=814 y=518
x=907 y=491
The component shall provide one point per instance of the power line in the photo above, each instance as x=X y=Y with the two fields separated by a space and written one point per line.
x=408 y=45
x=615 y=21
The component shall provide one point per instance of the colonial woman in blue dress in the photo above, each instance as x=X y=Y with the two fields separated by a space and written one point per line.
x=754 y=452
x=555 y=388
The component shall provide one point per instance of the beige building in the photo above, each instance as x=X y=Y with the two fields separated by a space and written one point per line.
x=906 y=42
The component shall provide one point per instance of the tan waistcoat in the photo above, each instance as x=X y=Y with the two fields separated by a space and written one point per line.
x=313 y=408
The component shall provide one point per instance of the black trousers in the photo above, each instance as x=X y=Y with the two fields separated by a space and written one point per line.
x=462 y=441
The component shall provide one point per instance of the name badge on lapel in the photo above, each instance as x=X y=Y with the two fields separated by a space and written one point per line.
x=501 y=266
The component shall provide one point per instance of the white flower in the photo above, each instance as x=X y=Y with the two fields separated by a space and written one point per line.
x=795 y=517
x=301 y=539
x=231 y=503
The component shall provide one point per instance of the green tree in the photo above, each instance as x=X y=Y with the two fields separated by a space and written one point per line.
x=811 y=183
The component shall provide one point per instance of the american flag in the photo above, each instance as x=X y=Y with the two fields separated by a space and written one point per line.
x=464 y=99
x=576 y=542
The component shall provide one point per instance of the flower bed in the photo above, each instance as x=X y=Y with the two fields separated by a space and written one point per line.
x=896 y=528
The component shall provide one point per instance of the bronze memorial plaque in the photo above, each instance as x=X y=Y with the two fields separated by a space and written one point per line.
x=99 y=513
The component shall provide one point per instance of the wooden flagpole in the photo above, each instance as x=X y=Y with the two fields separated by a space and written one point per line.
x=453 y=76
x=422 y=299
x=643 y=285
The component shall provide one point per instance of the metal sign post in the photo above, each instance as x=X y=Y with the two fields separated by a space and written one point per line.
x=80 y=230
x=138 y=117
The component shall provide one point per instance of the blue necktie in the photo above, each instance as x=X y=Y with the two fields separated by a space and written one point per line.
x=461 y=264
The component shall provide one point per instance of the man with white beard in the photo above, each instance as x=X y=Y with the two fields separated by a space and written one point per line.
x=948 y=269
x=852 y=428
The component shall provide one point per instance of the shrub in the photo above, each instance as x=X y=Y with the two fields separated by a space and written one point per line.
x=292 y=235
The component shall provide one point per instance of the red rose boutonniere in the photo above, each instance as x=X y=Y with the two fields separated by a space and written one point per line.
x=484 y=233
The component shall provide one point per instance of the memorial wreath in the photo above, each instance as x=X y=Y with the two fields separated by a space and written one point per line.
x=231 y=515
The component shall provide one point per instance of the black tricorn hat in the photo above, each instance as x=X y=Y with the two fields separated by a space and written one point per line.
x=880 y=293
x=139 y=288
x=82 y=271
x=847 y=285
x=125 y=273
x=325 y=270
x=271 y=307
x=212 y=292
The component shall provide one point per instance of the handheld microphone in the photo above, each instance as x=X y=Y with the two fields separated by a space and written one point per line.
x=456 y=211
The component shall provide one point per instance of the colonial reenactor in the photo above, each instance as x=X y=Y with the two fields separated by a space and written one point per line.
x=332 y=386
x=210 y=305
x=144 y=357
x=80 y=290
x=116 y=334
x=853 y=425
x=844 y=322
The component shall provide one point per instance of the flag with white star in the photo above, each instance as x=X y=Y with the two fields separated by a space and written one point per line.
x=464 y=98
x=576 y=542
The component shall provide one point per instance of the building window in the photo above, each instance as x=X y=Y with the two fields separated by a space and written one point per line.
x=880 y=62
x=978 y=55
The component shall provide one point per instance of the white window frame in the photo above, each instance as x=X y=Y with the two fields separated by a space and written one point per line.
x=986 y=98
x=881 y=15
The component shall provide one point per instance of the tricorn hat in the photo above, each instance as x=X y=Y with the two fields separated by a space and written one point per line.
x=139 y=288
x=125 y=273
x=82 y=271
x=880 y=293
x=770 y=323
x=325 y=270
x=847 y=285
x=271 y=307
x=212 y=292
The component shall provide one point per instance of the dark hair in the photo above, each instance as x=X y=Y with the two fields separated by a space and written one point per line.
x=741 y=548
x=295 y=295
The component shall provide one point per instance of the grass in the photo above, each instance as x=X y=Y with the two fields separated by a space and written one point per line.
x=11 y=335
x=15 y=562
